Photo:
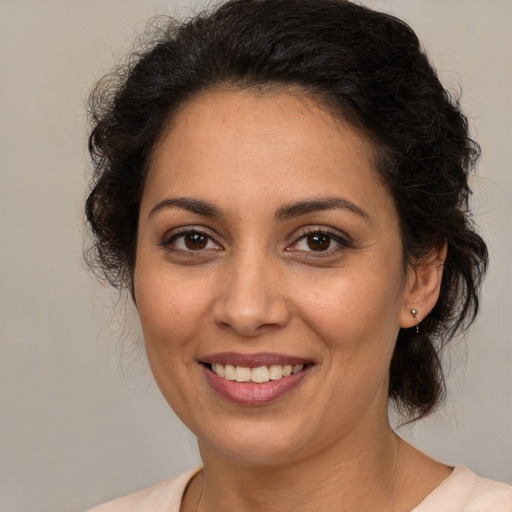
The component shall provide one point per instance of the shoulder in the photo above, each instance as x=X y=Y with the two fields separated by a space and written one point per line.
x=163 y=497
x=464 y=491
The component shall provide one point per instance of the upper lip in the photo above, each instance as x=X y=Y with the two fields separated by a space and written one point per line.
x=253 y=360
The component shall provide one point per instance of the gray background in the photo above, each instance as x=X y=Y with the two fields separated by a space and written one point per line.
x=81 y=420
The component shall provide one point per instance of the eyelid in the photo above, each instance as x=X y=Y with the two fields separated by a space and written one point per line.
x=175 y=233
x=342 y=239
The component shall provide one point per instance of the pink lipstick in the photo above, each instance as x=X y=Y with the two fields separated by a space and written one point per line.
x=254 y=379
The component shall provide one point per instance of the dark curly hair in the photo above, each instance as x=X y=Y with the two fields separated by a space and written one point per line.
x=370 y=69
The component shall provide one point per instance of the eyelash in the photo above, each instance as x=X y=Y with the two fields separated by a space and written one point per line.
x=170 y=240
x=342 y=242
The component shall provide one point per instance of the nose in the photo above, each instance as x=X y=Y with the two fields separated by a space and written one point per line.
x=251 y=298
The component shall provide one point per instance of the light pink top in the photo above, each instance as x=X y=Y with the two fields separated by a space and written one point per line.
x=462 y=491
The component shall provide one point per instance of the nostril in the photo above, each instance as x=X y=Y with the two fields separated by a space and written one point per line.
x=249 y=300
x=251 y=321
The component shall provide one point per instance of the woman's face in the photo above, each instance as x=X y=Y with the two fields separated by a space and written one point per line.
x=266 y=245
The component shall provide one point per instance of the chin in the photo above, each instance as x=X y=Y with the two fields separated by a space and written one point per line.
x=254 y=452
x=260 y=443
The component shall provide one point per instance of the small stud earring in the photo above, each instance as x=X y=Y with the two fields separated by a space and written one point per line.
x=414 y=312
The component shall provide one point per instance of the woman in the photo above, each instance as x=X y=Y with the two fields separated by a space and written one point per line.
x=282 y=186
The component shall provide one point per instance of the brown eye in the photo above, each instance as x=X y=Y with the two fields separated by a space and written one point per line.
x=318 y=241
x=190 y=241
x=195 y=241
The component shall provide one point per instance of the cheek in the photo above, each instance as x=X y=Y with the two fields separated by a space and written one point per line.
x=358 y=318
x=170 y=312
x=169 y=307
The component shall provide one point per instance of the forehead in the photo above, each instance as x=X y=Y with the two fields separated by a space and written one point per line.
x=237 y=146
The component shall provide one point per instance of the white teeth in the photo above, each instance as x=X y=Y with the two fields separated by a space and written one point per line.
x=219 y=370
x=260 y=374
x=275 y=372
x=297 y=368
x=242 y=374
x=229 y=372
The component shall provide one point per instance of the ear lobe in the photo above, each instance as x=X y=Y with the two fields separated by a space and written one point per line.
x=423 y=286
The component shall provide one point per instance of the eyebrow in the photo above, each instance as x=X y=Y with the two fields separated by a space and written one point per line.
x=315 y=205
x=296 y=209
x=192 y=205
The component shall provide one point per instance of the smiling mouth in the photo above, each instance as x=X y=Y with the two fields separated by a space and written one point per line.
x=259 y=375
x=254 y=380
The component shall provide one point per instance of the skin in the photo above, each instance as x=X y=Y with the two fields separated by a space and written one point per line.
x=258 y=286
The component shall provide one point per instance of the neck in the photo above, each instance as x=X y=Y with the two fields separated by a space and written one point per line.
x=338 y=478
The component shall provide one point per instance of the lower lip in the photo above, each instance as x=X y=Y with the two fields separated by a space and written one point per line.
x=253 y=393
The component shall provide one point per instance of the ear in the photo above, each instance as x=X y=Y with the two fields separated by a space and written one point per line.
x=422 y=287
